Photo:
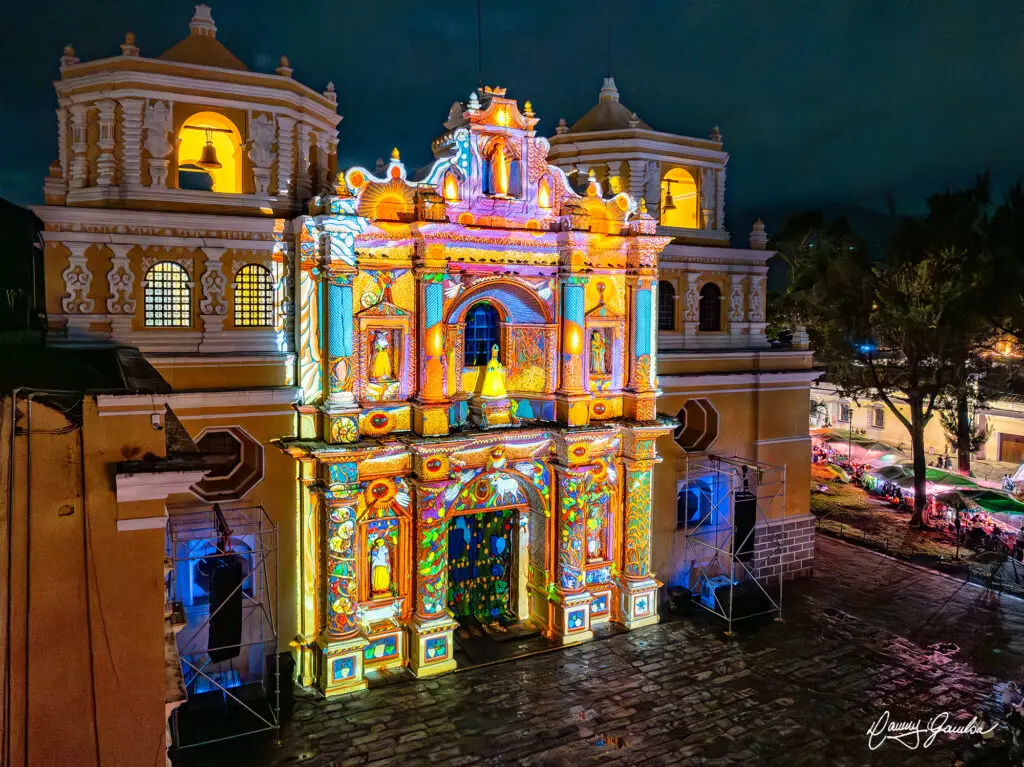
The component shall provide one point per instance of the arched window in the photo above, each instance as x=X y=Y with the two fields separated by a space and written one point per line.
x=254 y=297
x=167 y=296
x=482 y=332
x=225 y=143
x=710 y=308
x=502 y=175
x=666 y=306
x=679 y=202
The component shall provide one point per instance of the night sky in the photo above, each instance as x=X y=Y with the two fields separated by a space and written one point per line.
x=836 y=102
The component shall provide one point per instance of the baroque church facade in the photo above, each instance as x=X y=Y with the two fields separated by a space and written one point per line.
x=443 y=387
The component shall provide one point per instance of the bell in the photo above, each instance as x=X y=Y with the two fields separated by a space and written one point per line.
x=670 y=204
x=208 y=159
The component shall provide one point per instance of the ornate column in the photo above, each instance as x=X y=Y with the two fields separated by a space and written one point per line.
x=571 y=400
x=431 y=646
x=285 y=155
x=737 y=310
x=340 y=641
x=720 y=213
x=641 y=390
x=323 y=180
x=310 y=523
x=79 y=176
x=131 y=142
x=691 y=310
x=62 y=149
x=106 y=164
x=430 y=406
x=303 y=188
x=341 y=372
x=637 y=586
x=121 y=285
x=637 y=178
x=571 y=622
x=756 y=311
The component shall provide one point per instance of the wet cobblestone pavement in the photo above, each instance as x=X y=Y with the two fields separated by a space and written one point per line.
x=866 y=634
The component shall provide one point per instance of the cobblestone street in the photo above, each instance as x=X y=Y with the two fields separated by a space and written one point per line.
x=866 y=634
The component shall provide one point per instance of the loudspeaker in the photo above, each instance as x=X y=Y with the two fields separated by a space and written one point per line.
x=744 y=516
x=225 y=608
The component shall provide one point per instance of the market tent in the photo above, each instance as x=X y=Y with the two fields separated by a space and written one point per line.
x=1018 y=476
x=996 y=503
x=937 y=481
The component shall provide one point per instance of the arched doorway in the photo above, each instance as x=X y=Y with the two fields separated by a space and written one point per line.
x=497 y=534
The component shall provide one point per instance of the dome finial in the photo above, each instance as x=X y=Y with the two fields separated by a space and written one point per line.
x=285 y=69
x=202 y=22
x=128 y=47
x=608 y=91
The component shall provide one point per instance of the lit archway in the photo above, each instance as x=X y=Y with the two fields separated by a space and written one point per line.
x=219 y=131
x=679 y=201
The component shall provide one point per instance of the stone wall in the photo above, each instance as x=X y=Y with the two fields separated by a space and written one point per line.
x=787 y=544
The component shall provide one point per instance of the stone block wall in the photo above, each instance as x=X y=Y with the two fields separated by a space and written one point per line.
x=785 y=545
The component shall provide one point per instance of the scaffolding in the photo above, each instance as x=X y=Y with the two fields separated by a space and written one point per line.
x=238 y=695
x=718 y=552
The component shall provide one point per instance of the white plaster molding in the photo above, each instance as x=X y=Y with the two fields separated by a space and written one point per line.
x=155 y=486
x=120 y=281
x=691 y=309
x=737 y=312
x=131 y=141
x=214 y=282
x=767 y=379
x=158 y=144
x=77 y=279
x=109 y=404
x=303 y=183
x=142 y=523
x=756 y=299
x=783 y=440
x=135 y=84
x=62 y=143
x=79 y=164
x=106 y=165
x=720 y=215
x=260 y=150
x=285 y=155
x=181 y=196
x=686 y=255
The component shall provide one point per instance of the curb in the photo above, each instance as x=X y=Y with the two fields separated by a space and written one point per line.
x=915 y=566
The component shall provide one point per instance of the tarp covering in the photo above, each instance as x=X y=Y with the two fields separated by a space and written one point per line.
x=997 y=503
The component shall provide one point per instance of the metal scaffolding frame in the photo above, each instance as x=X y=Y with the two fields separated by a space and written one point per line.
x=712 y=541
x=189 y=535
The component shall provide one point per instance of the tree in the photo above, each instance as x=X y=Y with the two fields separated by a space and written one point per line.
x=880 y=328
x=957 y=221
x=959 y=411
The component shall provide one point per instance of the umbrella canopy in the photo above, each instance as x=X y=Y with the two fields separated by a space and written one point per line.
x=1018 y=476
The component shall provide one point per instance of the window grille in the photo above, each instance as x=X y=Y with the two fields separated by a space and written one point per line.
x=167 y=296
x=254 y=297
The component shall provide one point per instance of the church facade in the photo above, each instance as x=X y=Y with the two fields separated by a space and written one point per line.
x=479 y=404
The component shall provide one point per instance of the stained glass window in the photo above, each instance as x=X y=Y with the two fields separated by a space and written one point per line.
x=254 y=297
x=168 y=296
x=710 y=308
x=482 y=332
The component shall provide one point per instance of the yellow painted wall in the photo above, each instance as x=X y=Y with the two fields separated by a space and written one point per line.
x=96 y=626
x=775 y=418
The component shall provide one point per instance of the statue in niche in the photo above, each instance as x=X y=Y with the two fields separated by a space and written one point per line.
x=381 y=368
x=380 y=568
x=598 y=357
x=595 y=535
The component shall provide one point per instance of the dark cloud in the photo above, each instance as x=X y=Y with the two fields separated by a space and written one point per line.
x=839 y=101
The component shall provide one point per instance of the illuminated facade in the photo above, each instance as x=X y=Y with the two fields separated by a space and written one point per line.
x=434 y=315
x=733 y=392
x=441 y=389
